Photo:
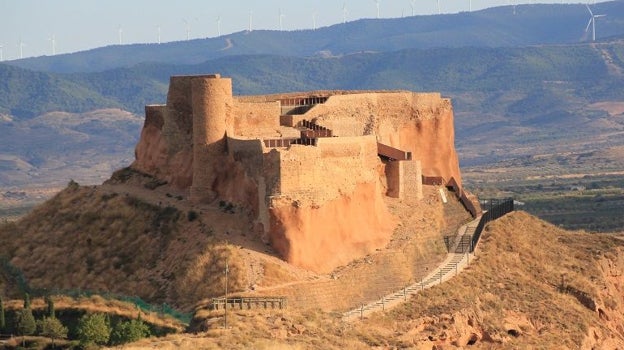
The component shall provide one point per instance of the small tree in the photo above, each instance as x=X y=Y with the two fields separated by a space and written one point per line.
x=2 y=319
x=50 y=303
x=129 y=331
x=26 y=301
x=25 y=323
x=93 y=329
x=52 y=328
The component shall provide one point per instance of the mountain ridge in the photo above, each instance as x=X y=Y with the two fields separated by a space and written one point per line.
x=520 y=25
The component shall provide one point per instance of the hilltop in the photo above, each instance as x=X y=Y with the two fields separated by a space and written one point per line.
x=504 y=26
x=531 y=284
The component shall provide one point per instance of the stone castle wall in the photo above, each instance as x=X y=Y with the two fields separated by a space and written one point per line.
x=421 y=123
x=254 y=118
x=316 y=174
x=303 y=199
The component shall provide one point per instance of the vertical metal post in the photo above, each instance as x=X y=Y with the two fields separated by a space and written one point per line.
x=404 y=295
x=227 y=269
x=362 y=311
x=383 y=304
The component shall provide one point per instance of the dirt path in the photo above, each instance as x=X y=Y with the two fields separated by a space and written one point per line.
x=228 y=44
x=612 y=66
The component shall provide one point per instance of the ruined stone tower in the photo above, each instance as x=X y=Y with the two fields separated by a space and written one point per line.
x=211 y=104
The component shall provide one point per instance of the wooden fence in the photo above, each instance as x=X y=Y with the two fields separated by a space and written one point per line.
x=248 y=303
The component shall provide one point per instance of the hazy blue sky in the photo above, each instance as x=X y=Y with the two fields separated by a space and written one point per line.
x=78 y=25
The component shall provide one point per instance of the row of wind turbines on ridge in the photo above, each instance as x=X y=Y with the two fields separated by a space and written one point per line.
x=52 y=39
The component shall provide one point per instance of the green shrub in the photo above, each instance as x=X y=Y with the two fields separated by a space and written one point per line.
x=129 y=331
x=2 y=319
x=93 y=329
x=52 y=328
x=25 y=322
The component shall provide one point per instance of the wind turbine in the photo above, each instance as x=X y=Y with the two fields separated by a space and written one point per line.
x=53 y=41
x=188 y=28
x=592 y=21
x=344 y=13
x=1 y=54
x=218 y=25
x=314 y=20
x=469 y=5
x=439 y=12
x=21 y=48
x=413 y=5
x=281 y=16
x=377 y=4
x=250 y=18
x=120 y=33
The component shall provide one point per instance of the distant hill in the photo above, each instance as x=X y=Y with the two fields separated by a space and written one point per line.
x=26 y=94
x=506 y=26
x=581 y=67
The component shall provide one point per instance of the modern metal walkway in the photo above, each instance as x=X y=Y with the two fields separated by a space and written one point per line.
x=455 y=261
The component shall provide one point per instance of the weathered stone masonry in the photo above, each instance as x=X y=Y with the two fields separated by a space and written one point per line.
x=307 y=193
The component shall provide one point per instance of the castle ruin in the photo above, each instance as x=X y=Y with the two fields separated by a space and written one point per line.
x=312 y=168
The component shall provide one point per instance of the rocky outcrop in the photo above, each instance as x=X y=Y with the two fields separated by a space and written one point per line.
x=321 y=238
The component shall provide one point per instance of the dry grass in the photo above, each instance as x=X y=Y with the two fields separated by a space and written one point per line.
x=98 y=304
x=511 y=297
x=530 y=284
x=522 y=263
x=88 y=238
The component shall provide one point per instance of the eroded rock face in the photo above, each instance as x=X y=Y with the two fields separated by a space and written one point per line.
x=322 y=238
x=159 y=153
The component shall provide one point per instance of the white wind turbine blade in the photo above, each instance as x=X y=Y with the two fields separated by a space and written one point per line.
x=590 y=11
x=589 y=23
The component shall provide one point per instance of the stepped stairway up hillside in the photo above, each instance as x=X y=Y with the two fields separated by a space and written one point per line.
x=451 y=266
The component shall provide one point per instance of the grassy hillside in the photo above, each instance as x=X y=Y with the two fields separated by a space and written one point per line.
x=26 y=94
x=119 y=243
x=137 y=236
x=505 y=26
x=531 y=285
x=542 y=79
